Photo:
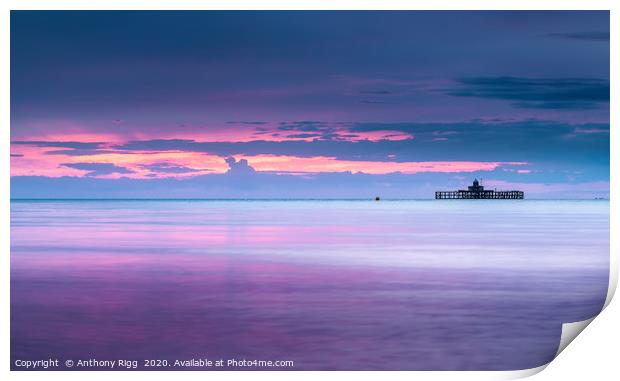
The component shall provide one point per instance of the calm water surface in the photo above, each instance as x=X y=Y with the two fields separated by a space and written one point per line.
x=403 y=285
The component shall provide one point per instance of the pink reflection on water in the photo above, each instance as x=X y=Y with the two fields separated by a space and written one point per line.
x=191 y=236
x=339 y=285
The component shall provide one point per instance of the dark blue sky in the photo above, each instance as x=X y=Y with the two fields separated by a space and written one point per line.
x=408 y=101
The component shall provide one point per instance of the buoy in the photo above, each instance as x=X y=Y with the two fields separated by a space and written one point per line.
x=377 y=198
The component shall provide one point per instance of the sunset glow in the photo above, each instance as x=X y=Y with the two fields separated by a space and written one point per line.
x=281 y=108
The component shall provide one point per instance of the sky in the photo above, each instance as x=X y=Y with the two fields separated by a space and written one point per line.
x=331 y=104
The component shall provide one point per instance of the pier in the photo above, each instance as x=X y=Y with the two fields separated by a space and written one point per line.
x=477 y=191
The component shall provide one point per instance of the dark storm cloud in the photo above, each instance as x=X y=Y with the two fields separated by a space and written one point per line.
x=42 y=143
x=98 y=169
x=551 y=93
x=587 y=36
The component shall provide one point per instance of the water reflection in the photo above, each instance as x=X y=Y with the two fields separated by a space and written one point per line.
x=331 y=285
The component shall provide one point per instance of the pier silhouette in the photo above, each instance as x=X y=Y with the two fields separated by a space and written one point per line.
x=477 y=191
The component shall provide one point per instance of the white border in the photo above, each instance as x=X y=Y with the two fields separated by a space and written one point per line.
x=6 y=6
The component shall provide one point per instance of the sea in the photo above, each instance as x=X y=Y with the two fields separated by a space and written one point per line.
x=311 y=284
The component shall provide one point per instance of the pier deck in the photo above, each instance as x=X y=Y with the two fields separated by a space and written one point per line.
x=487 y=194
x=477 y=191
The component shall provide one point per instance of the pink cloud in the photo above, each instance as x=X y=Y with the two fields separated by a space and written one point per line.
x=123 y=131
x=35 y=162
x=330 y=164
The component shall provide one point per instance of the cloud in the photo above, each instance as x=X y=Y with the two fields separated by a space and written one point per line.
x=557 y=105
x=541 y=93
x=75 y=145
x=81 y=152
x=240 y=167
x=374 y=102
x=592 y=130
x=169 y=168
x=303 y=136
x=305 y=126
x=98 y=169
x=336 y=131
x=584 y=145
x=529 y=140
x=317 y=130
x=586 y=36
x=376 y=92
x=247 y=122
x=17 y=155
